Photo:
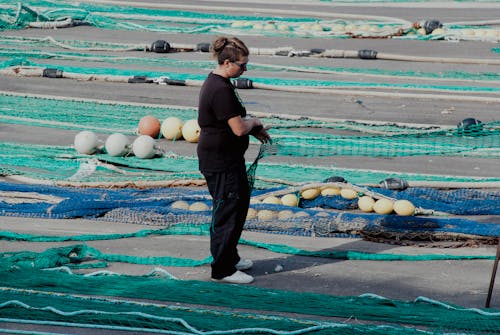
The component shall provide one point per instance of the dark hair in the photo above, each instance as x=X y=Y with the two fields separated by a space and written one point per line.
x=231 y=48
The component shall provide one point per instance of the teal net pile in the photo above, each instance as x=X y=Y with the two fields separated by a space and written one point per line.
x=74 y=114
x=31 y=294
x=290 y=137
x=47 y=14
x=473 y=141
x=175 y=21
x=63 y=166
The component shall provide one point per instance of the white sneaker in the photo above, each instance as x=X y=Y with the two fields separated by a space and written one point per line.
x=236 y=278
x=244 y=264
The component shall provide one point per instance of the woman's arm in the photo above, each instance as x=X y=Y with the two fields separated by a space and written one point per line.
x=252 y=126
x=241 y=126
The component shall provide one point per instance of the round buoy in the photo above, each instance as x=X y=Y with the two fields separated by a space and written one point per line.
x=347 y=193
x=383 y=206
x=171 y=128
x=180 y=204
x=117 y=144
x=285 y=214
x=238 y=24
x=301 y=214
x=404 y=207
x=470 y=126
x=251 y=214
x=329 y=191
x=310 y=193
x=272 y=200
x=338 y=27
x=266 y=215
x=364 y=27
x=191 y=131
x=270 y=26
x=438 y=31
x=144 y=147
x=304 y=26
x=255 y=201
x=258 y=26
x=86 y=142
x=350 y=27
x=467 y=32
x=283 y=27
x=149 y=125
x=365 y=203
x=198 y=206
x=290 y=200
x=316 y=27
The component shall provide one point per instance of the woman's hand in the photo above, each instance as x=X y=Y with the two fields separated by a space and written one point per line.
x=262 y=135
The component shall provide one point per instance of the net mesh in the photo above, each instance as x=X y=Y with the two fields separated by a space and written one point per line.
x=399 y=317
x=124 y=17
x=55 y=302
x=323 y=216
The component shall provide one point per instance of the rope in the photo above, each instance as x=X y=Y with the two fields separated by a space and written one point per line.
x=457 y=60
x=66 y=46
x=139 y=184
x=344 y=92
x=100 y=101
x=52 y=24
x=38 y=72
x=280 y=51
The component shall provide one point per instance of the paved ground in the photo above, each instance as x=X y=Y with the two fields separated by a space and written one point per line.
x=460 y=282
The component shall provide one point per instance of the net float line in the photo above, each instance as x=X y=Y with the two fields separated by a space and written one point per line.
x=55 y=73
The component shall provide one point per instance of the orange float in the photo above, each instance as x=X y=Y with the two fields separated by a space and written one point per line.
x=149 y=125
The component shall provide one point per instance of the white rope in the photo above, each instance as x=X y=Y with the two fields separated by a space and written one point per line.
x=473 y=23
x=66 y=46
x=13 y=197
x=100 y=101
x=63 y=124
x=388 y=56
x=51 y=24
x=393 y=95
x=37 y=71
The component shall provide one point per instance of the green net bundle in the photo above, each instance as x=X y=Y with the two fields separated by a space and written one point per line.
x=379 y=315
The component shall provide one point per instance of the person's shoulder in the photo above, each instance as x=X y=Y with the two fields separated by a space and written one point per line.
x=220 y=83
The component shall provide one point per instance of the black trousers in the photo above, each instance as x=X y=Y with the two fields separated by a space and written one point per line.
x=231 y=198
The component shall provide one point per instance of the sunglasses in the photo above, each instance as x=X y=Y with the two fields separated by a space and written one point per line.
x=242 y=66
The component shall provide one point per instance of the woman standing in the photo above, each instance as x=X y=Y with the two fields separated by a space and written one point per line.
x=221 y=148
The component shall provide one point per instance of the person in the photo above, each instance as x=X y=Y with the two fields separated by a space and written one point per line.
x=223 y=141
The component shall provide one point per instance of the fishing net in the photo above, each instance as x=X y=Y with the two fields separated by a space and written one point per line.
x=324 y=216
x=47 y=14
x=55 y=303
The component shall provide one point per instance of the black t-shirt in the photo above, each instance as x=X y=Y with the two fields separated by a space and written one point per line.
x=219 y=149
